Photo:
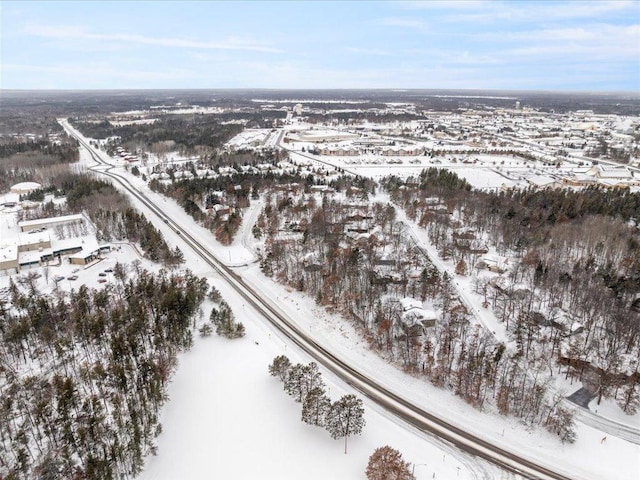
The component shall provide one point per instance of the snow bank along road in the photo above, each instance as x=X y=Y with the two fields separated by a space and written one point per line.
x=391 y=401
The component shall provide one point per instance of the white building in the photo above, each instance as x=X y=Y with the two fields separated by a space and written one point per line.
x=25 y=187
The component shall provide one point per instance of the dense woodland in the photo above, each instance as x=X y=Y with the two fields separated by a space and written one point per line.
x=85 y=374
x=353 y=256
x=572 y=293
x=25 y=159
x=190 y=134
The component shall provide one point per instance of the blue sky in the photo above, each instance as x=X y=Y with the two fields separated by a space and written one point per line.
x=570 y=45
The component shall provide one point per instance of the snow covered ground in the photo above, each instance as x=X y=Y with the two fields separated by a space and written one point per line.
x=228 y=418
x=584 y=459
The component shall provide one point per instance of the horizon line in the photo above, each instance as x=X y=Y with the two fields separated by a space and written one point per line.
x=284 y=89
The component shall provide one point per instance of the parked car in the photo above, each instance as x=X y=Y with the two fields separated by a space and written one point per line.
x=57 y=278
x=102 y=280
x=109 y=270
x=102 y=274
x=72 y=277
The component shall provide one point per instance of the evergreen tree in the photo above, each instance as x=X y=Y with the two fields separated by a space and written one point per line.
x=345 y=418
x=205 y=330
x=225 y=323
x=301 y=379
x=315 y=407
x=293 y=384
x=280 y=367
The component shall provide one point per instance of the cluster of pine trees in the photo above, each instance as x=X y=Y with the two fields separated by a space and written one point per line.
x=222 y=319
x=83 y=376
x=342 y=418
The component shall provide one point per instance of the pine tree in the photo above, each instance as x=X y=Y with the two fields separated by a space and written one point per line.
x=315 y=407
x=225 y=323
x=301 y=379
x=205 y=330
x=294 y=381
x=345 y=418
x=312 y=378
x=386 y=463
x=280 y=367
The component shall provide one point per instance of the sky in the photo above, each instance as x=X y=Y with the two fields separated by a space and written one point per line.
x=514 y=45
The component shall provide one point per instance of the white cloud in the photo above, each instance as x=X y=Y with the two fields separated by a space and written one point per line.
x=603 y=41
x=403 y=22
x=367 y=51
x=493 y=11
x=80 y=33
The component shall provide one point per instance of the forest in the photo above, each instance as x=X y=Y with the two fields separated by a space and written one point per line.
x=191 y=134
x=572 y=292
x=355 y=258
x=34 y=159
x=85 y=374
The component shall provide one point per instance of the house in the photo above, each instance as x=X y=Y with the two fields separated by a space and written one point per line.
x=414 y=314
x=493 y=263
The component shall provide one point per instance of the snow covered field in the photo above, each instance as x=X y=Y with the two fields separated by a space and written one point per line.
x=228 y=418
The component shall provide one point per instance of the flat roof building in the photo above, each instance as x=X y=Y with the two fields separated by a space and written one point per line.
x=28 y=225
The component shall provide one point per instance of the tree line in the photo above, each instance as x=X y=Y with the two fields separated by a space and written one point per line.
x=342 y=418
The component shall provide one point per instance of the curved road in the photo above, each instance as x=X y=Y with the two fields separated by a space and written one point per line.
x=399 y=406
